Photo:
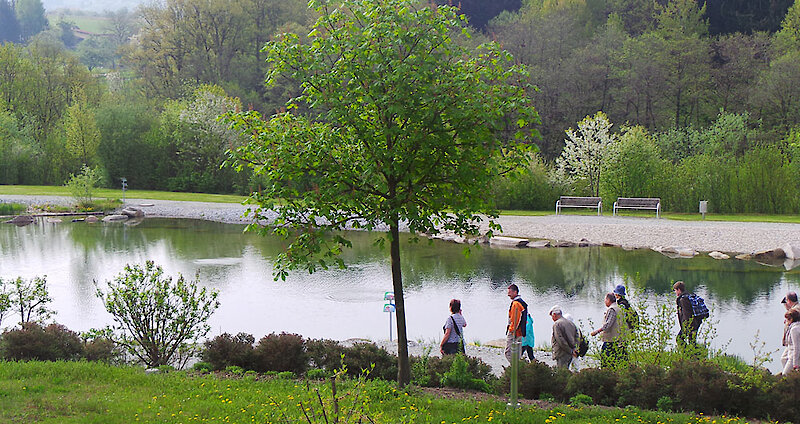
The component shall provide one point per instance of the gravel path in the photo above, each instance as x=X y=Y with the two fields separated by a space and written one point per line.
x=703 y=236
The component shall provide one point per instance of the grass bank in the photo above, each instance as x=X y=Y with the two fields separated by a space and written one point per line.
x=81 y=392
x=117 y=194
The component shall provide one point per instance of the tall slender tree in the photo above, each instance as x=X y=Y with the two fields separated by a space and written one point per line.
x=410 y=129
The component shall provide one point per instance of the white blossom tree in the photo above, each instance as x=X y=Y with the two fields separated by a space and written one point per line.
x=585 y=150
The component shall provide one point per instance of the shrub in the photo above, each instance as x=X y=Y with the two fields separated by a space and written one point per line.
x=786 y=394
x=580 y=399
x=143 y=295
x=641 y=386
x=202 y=367
x=536 y=378
x=32 y=342
x=83 y=185
x=225 y=350
x=317 y=374
x=701 y=386
x=280 y=352
x=599 y=384
x=234 y=369
x=460 y=378
x=324 y=353
x=361 y=356
x=100 y=349
x=286 y=375
x=665 y=403
x=11 y=208
x=434 y=369
x=529 y=189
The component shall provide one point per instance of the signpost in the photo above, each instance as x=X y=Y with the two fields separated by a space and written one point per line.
x=389 y=307
x=124 y=187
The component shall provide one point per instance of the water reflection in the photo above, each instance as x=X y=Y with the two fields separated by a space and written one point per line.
x=744 y=296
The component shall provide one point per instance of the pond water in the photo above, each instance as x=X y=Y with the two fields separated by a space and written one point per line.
x=744 y=297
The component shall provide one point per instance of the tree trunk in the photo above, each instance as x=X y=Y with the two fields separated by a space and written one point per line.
x=403 y=368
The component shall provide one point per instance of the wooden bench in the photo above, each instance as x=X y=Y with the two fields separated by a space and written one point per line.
x=579 y=202
x=649 y=203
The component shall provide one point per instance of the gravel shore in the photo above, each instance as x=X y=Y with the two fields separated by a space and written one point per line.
x=631 y=232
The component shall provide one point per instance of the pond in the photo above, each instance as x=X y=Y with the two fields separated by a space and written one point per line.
x=744 y=296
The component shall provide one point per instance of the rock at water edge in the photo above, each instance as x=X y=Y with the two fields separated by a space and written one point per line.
x=501 y=241
x=792 y=250
x=718 y=255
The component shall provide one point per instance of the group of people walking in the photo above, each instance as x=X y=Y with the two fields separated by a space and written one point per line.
x=619 y=318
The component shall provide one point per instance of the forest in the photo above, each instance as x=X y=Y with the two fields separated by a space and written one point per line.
x=677 y=99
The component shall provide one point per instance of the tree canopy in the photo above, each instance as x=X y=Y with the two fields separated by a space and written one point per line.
x=408 y=129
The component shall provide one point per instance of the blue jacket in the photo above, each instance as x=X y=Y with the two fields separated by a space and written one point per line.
x=529 y=339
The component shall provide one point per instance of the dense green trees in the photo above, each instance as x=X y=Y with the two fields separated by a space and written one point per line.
x=9 y=25
x=30 y=14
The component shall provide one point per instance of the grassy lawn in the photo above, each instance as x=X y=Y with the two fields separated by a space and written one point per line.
x=117 y=194
x=93 y=24
x=81 y=392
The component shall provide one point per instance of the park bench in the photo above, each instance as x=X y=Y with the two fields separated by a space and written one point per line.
x=579 y=202
x=649 y=203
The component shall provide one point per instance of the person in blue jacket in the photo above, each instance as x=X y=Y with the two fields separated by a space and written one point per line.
x=529 y=340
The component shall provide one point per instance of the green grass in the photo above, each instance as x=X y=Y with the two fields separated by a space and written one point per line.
x=93 y=24
x=117 y=194
x=81 y=392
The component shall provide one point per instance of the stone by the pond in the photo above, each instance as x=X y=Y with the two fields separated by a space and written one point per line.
x=92 y=219
x=502 y=241
x=791 y=264
x=132 y=212
x=539 y=244
x=792 y=250
x=744 y=256
x=770 y=255
x=564 y=244
x=112 y=218
x=686 y=252
x=21 y=220
x=606 y=244
x=718 y=255
x=451 y=237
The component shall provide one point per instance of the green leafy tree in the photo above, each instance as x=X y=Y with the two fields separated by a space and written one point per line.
x=82 y=135
x=82 y=186
x=157 y=319
x=586 y=149
x=412 y=128
x=31 y=17
x=28 y=298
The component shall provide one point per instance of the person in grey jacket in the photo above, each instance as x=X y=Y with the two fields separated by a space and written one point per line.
x=565 y=338
x=611 y=350
x=792 y=353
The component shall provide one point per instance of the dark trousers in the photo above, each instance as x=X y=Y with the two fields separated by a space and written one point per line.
x=611 y=353
x=687 y=337
x=529 y=351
